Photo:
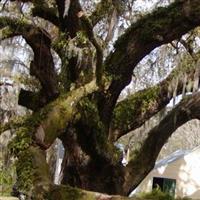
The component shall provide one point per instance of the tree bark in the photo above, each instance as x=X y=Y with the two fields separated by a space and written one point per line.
x=139 y=40
x=146 y=103
x=42 y=66
x=144 y=160
x=93 y=163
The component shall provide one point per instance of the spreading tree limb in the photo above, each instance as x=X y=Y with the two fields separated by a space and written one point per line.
x=143 y=162
x=140 y=39
x=99 y=63
x=146 y=103
x=59 y=114
x=46 y=13
x=42 y=10
x=42 y=66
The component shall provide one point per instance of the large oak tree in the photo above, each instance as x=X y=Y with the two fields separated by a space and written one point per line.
x=79 y=103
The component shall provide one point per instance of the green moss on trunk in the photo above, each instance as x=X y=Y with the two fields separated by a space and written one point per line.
x=33 y=176
x=136 y=105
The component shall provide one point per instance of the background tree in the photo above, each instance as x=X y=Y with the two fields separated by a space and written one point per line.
x=81 y=75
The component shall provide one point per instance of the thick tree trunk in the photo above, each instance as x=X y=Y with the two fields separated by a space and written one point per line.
x=92 y=162
x=88 y=170
x=41 y=186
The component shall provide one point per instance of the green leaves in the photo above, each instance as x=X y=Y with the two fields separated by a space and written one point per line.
x=6 y=179
x=24 y=167
x=21 y=141
x=156 y=194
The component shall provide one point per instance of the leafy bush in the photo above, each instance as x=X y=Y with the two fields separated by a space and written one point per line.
x=156 y=195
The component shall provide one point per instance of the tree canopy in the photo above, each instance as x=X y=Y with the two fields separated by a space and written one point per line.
x=78 y=58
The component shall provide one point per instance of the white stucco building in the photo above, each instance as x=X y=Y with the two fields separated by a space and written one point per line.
x=178 y=174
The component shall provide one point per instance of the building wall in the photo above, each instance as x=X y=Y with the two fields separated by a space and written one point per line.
x=186 y=171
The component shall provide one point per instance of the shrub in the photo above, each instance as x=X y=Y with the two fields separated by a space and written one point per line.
x=156 y=194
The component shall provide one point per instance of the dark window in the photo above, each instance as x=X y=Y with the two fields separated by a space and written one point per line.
x=165 y=184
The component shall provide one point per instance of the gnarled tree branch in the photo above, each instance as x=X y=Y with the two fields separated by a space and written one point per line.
x=42 y=10
x=141 y=38
x=42 y=67
x=46 y=13
x=141 y=165
x=133 y=111
x=60 y=114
